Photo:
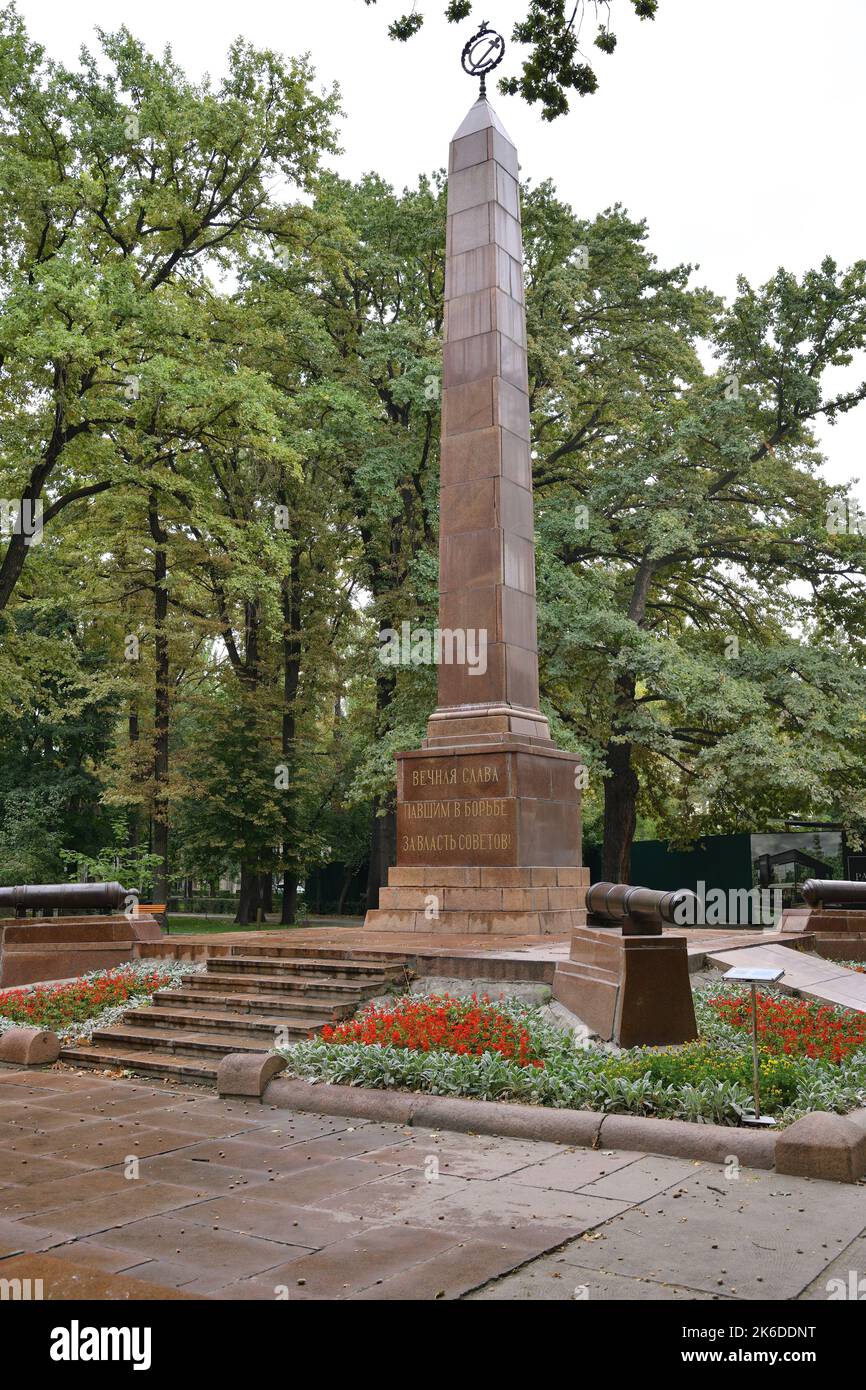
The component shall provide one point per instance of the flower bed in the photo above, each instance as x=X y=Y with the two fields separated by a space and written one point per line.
x=441 y=1023
x=467 y=1048
x=94 y=1000
x=796 y=1027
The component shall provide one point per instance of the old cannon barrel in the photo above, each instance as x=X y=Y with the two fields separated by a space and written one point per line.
x=68 y=896
x=614 y=902
x=834 y=890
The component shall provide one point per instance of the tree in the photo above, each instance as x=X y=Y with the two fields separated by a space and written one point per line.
x=125 y=189
x=118 y=188
x=381 y=302
x=676 y=507
x=555 y=65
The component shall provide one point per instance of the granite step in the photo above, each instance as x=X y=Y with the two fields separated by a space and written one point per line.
x=312 y=1010
x=344 y=970
x=180 y=1043
x=332 y=953
x=132 y=1059
x=288 y=985
x=243 y=1003
x=182 y=1020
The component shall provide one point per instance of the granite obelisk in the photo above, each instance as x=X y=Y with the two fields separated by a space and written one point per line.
x=488 y=810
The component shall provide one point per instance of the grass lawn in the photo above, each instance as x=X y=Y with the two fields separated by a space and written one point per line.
x=195 y=926
x=179 y=925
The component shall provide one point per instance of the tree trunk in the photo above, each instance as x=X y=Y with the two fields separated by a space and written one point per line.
x=291 y=593
x=383 y=829
x=622 y=786
x=347 y=883
x=161 y=702
x=288 y=916
x=383 y=851
x=134 y=832
x=249 y=896
x=620 y=814
x=266 y=892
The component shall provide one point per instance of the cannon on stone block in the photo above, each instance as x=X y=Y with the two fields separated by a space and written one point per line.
x=639 y=911
x=833 y=918
x=45 y=897
x=834 y=892
x=625 y=978
x=94 y=930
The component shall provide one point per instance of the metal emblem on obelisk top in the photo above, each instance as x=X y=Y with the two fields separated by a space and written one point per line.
x=483 y=53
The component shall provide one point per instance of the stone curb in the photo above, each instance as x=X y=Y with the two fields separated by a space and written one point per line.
x=820 y=1145
x=247 y=1073
x=823 y=1145
x=582 y=1128
x=683 y=1139
x=29 y=1047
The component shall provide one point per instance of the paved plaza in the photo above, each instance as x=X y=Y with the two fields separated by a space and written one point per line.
x=236 y=1200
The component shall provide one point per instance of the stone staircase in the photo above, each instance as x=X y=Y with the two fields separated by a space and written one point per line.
x=245 y=1002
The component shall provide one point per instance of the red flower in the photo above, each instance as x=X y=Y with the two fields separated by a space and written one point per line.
x=439 y=1023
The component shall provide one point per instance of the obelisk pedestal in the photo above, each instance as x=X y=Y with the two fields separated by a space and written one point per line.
x=488 y=810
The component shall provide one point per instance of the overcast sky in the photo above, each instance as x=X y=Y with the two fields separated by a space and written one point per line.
x=734 y=126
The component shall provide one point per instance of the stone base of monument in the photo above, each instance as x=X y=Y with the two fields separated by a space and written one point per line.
x=488 y=836
x=58 y=948
x=633 y=990
x=491 y=900
x=839 y=932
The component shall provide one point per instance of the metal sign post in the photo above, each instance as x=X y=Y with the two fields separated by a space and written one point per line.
x=755 y=976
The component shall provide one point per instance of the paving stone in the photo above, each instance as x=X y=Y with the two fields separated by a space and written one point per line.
x=466 y=1156
x=532 y=1218
x=251 y=1290
x=17 y=1236
x=242 y=1156
x=550 y=1279
x=200 y=1126
x=96 y=1254
x=82 y=1103
x=354 y=1144
x=850 y=993
x=105 y=1213
x=44 y=1197
x=310 y=1186
x=400 y=1197
x=45 y=1120
x=843 y=1280
x=33 y=1137
x=448 y=1275
x=300 y=1125
x=192 y=1279
x=226 y=1109
x=202 y=1177
x=64 y=1280
x=373 y=1130
x=52 y=1081
x=226 y=1255
x=166 y=1274
x=280 y=1221
x=571 y=1169
x=348 y=1266
x=637 y=1182
x=762 y=1236
x=121 y=1142
x=23 y=1169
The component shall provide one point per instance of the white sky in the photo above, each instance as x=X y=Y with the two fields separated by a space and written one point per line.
x=734 y=126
